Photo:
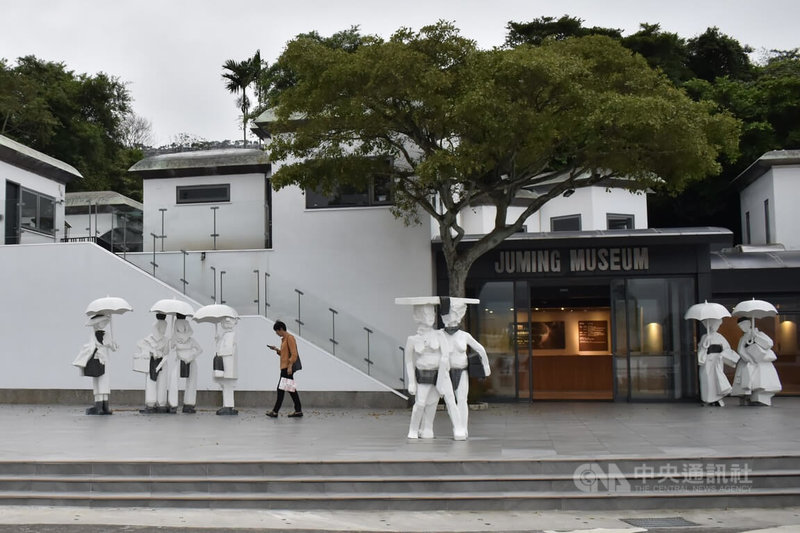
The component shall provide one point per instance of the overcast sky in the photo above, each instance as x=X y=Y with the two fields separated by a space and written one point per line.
x=170 y=52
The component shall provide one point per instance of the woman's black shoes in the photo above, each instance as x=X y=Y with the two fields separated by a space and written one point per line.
x=296 y=414
x=272 y=414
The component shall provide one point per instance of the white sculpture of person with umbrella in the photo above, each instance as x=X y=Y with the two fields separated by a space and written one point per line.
x=225 y=365
x=94 y=358
x=187 y=350
x=152 y=352
x=713 y=353
x=756 y=379
x=168 y=368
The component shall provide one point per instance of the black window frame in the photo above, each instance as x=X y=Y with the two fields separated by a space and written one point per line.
x=226 y=197
x=37 y=225
x=620 y=216
x=554 y=220
x=371 y=196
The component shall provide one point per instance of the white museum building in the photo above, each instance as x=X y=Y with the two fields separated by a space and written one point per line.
x=214 y=230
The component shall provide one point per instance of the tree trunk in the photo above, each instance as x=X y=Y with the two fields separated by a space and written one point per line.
x=457 y=279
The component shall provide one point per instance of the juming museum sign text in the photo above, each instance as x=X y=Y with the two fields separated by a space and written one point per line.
x=573 y=260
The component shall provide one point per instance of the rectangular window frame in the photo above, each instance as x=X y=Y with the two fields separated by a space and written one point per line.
x=225 y=197
x=38 y=222
x=554 y=220
x=768 y=237
x=619 y=217
x=374 y=195
x=747 y=238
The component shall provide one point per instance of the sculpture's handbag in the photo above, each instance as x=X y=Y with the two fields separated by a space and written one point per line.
x=94 y=368
x=219 y=366
x=296 y=365
x=184 y=369
x=475 y=368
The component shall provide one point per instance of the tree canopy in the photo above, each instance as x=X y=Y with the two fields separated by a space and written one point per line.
x=711 y=66
x=467 y=127
x=77 y=118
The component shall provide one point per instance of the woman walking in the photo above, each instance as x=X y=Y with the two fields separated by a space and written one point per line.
x=288 y=356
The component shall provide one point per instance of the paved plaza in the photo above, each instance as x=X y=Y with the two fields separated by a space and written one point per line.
x=508 y=431
x=544 y=430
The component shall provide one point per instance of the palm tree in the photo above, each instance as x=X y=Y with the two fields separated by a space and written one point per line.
x=238 y=76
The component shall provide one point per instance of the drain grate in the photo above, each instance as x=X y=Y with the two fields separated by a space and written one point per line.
x=659 y=522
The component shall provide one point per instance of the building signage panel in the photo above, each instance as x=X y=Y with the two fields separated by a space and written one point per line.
x=593 y=335
x=616 y=259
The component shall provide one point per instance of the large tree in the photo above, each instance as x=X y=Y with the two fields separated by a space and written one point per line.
x=77 y=118
x=469 y=127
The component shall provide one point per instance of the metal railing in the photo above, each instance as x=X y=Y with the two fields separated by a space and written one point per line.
x=333 y=329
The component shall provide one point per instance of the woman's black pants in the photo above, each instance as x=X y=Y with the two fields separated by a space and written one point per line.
x=295 y=397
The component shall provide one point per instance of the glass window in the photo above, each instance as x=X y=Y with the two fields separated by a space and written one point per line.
x=377 y=192
x=203 y=194
x=567 y=223
x=29 y=206
x=747 y=239
x=37 y=211
x=494 y=322
x=766 y=222
x=616 y=221
x=653 y=341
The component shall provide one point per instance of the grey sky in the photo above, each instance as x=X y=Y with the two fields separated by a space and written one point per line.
x=171 y=51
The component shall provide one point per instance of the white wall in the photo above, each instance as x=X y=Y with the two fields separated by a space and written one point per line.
x=785 y=212
x=592 y=203
x=86 y=225
x=752 y=200
x=37 y=183
x=240 y=223
x=42 y=324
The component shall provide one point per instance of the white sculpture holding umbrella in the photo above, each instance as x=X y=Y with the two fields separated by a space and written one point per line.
x=224 y=319
x=713 y=352
x=94 y=357
x=756 y=380
x=158 y=360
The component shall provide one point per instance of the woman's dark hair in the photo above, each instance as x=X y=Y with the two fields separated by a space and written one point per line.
x=279 y=325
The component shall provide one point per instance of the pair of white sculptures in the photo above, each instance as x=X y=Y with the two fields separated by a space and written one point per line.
x=162 y=357
x=436 y=364
x=165 y=358
x=755 y=381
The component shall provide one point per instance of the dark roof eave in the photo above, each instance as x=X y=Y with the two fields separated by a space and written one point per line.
x=709 y=235
x=763 y=164
x=36 y=166
x=201 y=171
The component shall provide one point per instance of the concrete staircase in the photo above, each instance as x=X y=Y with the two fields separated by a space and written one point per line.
x=580 y=484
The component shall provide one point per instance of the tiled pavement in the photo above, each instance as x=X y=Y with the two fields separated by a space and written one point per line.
x=521 y=431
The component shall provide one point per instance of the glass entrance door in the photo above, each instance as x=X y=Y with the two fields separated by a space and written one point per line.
x=652 y=341
x=567 y=343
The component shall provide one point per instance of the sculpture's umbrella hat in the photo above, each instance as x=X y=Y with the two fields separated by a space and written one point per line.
x=417 y=300
x=172 y=306
x=108 y=305
x=754 y=309
x=705 y=310
x=215 y=313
